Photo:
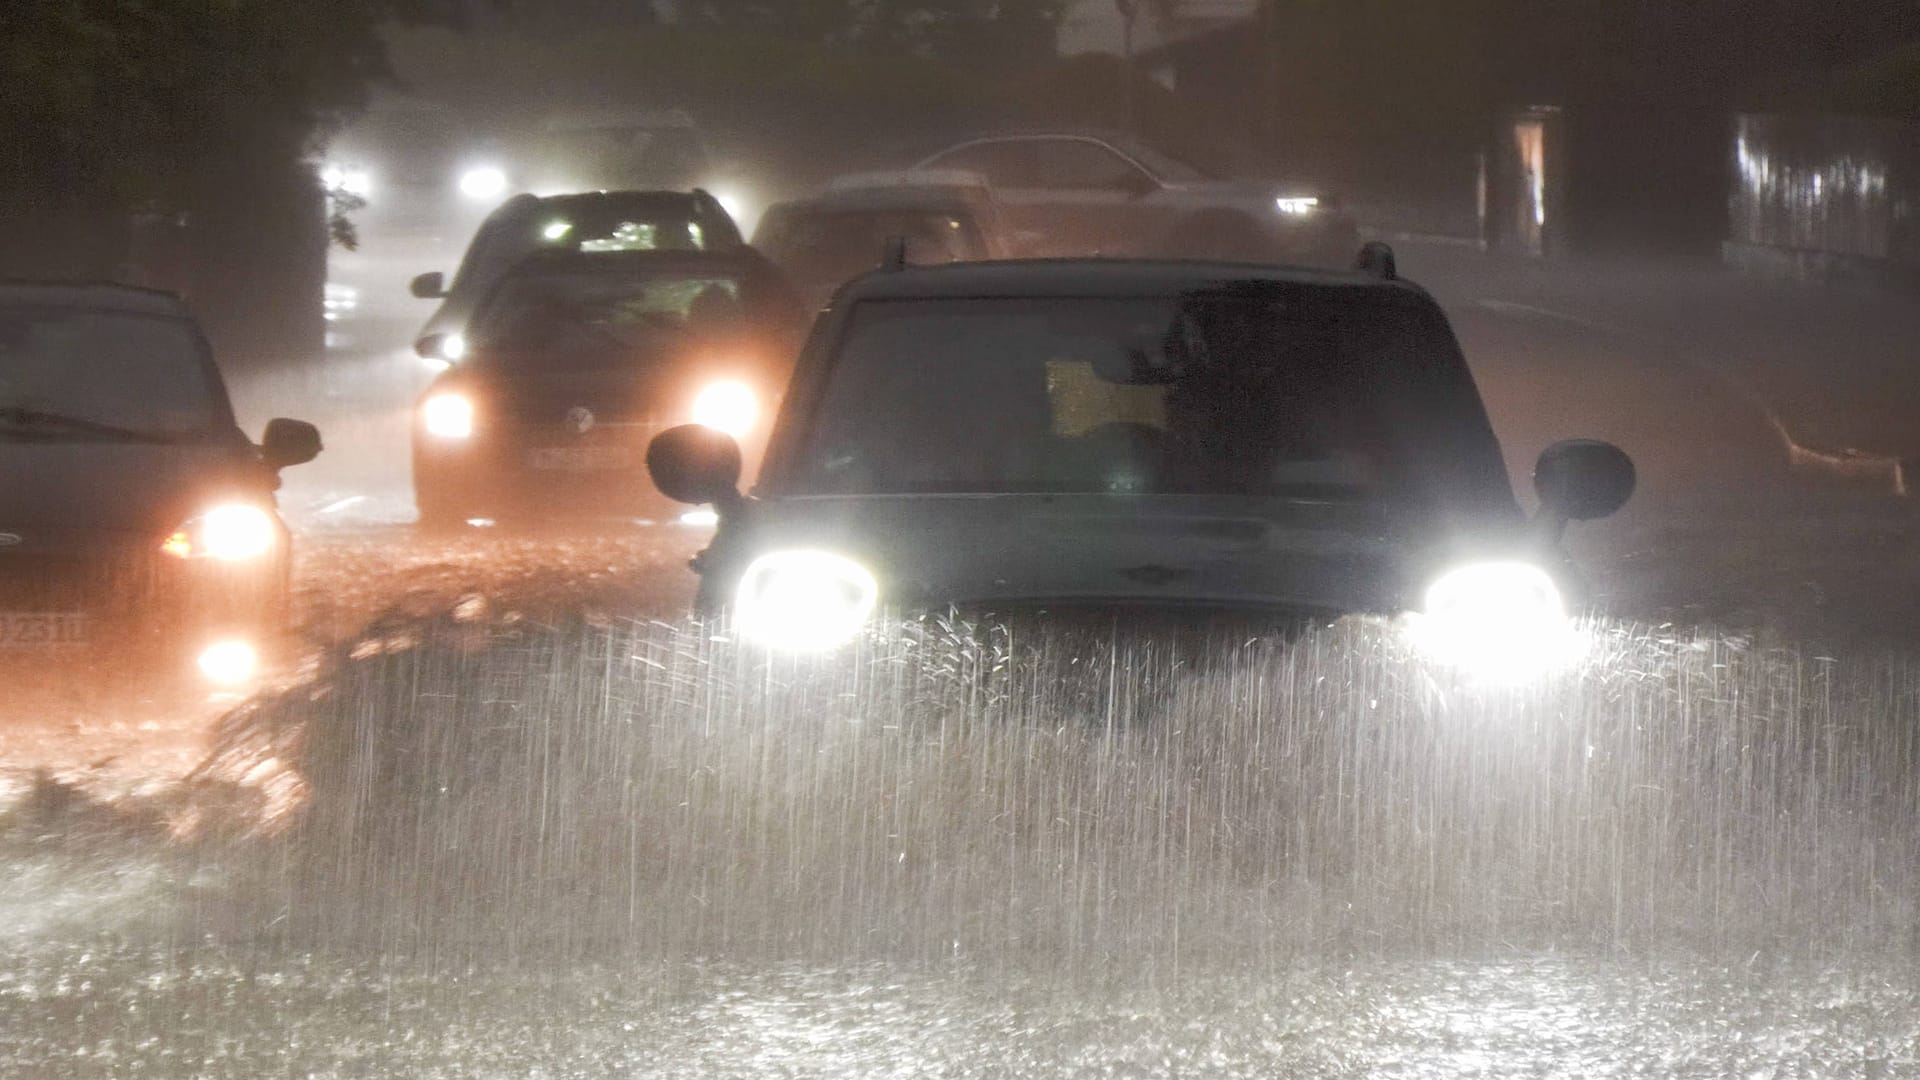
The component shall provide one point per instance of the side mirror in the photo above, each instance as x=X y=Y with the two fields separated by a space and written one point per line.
x=432 y=286
x=287 y=443
x=1582 y=480
x=695 y=464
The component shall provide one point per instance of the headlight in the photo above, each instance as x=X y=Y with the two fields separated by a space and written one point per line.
x=1503 y=621
x=804 y=601
x=483 y=182
x=729 y=406
x=351 y=179
x=447 y=416
x=1296 y=206
x=231 y=533
x=228 y=663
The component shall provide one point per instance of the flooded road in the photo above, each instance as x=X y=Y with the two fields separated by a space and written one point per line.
x=511 y=815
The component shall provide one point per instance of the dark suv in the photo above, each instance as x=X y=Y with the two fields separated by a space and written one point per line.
x=137 y=522
x=1005 y=437
x=589 y=223
x=578 y=359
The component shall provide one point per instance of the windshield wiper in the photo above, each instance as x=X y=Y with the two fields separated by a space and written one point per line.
x=41 y=418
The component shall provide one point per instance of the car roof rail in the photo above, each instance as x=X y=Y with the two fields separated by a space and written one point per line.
x=1376 y=259
x=894 y=257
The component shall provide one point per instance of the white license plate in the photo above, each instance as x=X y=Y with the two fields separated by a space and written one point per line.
x=579 y=458
x=42 y=630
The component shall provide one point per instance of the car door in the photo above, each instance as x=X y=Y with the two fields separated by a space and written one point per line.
x=1092 y=196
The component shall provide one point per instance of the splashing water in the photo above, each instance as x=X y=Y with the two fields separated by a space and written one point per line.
x=488 y=789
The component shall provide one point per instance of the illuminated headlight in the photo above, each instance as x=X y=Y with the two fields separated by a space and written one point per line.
x=729 y=406
x=228 y=663
x=447 y=416
x=231 y=533
x=483 y=182
x=1297 y=206
x=453 y=348
x=351 y=179
x=1502 y=621
x=804 y=601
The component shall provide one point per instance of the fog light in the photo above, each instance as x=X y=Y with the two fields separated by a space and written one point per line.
x=228 y=663
x=729 y=406
x=1501 y=621
x=804 y=601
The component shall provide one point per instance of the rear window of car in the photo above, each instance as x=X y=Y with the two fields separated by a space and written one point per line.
x=1277 y=391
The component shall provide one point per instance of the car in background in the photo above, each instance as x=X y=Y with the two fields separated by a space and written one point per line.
x=1067 y=194
x=1126 y=438
x=576 y=359
x=831 y=238
x=138 y=527
x=617 y=150
x=411 y=167
x=589 y=223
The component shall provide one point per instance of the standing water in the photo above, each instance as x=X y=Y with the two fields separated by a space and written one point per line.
x=482 y=846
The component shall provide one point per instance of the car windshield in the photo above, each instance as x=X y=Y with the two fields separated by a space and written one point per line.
x=1271 y=392
x=69 y=373
x=590 y=228
x=607 y=313
x=835 y=245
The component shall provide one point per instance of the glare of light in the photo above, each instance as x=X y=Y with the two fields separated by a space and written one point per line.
x=453 y=348
x=447 y=416
x=728 y=406
x=435 y=363
x=236 y=532
x=733 y=204
x=232 y=532
x=483 y=182
x=1296 y=206
x=350 y=179
x=481 y=523
x=700 y=519
x=228 y=663
x=557 y=231
x=804 y=601
x=1499 y=621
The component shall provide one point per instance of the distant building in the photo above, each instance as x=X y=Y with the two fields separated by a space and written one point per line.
x=1101 y=25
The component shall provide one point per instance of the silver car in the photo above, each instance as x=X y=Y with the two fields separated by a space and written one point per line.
x=1076 y=195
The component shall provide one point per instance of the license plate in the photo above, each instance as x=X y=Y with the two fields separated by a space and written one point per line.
x=42 y=630
x=579 y=458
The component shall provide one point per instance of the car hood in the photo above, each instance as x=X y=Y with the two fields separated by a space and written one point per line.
x=1310 y=556
x=91 y=487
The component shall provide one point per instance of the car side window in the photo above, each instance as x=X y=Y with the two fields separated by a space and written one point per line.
x=1083 y=165
x=1005 y=164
